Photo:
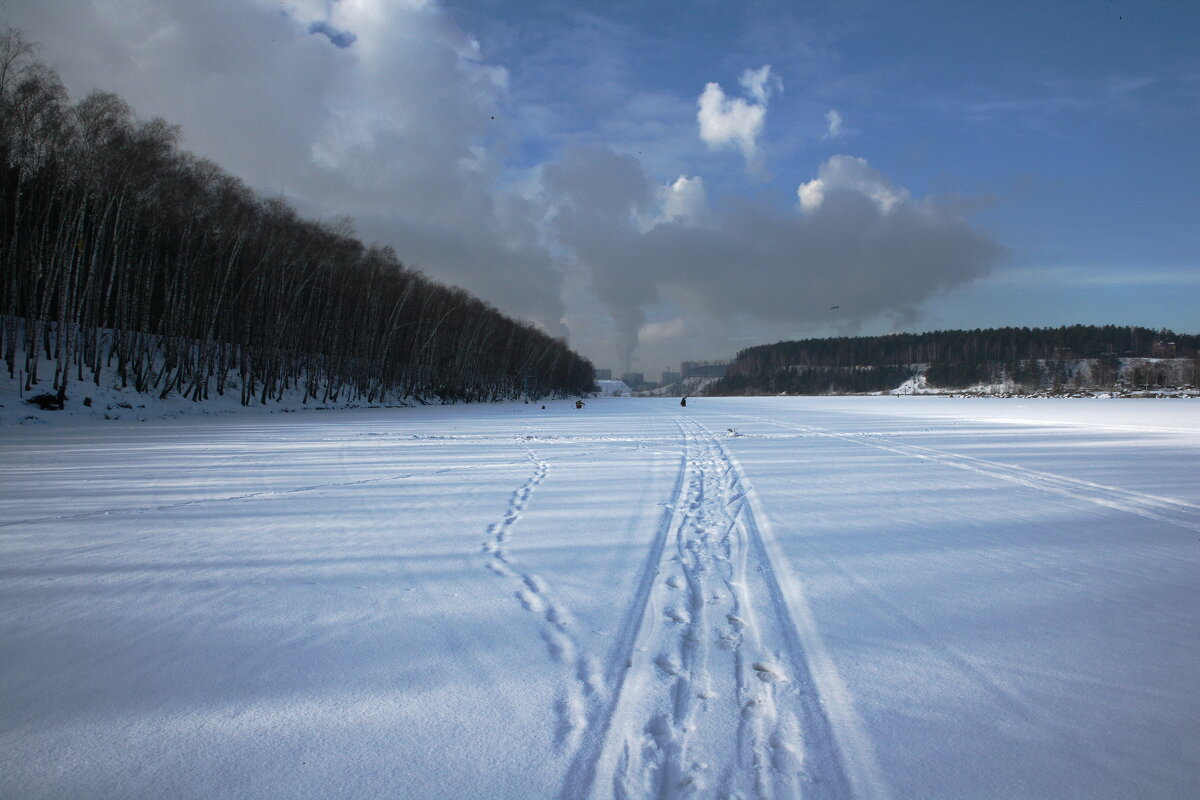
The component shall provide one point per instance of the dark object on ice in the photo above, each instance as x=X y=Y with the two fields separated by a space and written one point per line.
x=87 y=401
x=543 y=408
x=579 y=404
x=46 y=402
x=683 y=401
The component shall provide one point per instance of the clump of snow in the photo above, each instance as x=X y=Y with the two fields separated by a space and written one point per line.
x=914 y=385
x=609 y=388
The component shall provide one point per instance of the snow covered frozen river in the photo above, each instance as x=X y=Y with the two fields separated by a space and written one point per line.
x=862 y=597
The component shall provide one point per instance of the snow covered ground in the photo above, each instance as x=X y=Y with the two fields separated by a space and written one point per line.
x=861 y=597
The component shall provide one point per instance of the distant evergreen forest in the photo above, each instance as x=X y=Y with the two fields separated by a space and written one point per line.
x=122 y=254
x=953 y=359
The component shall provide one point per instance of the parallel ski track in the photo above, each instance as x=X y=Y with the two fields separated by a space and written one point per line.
x=1178 y=513
x=712 y=690
x=582 y=677
x=999 y=686
x=581 y=774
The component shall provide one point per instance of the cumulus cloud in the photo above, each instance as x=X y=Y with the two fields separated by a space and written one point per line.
x=760 y=83
x=385 y=111
x=849 y=251
x=683 y=201
x=850 y=174
x=833 y=124
x=860 y=243
x=732 y=121
x=390 y=113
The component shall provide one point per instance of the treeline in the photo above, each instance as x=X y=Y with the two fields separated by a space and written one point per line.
x=951 y=359
x=122 y=254
x=974 y=346
x=813 y=380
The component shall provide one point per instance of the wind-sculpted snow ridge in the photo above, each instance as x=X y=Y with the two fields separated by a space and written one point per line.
x=713 y=692
x=535 y=595
x=1178 y=513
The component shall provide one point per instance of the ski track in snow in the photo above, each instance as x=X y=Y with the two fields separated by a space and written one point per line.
x=1178 y=513
x=102 y=512
x=712 y=690
x=1000 y=687
x=712 y=679
x=583 y=679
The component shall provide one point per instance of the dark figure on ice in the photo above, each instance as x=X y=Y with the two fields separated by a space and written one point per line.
x=683 y=401
x=579 y=404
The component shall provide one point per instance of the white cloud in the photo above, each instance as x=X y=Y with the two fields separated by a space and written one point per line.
x=732 y=121
x=685 y=202
x=833 y=123
x=760 y=83
x=863 y=244
x=849 y=174
x=383 y=110
x=684 y=199
x=387 y=111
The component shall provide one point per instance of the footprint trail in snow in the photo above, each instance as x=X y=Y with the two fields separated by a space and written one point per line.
x=535 y=596
x=712 y=695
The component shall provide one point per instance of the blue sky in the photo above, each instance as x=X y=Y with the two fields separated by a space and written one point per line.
x=661 y=181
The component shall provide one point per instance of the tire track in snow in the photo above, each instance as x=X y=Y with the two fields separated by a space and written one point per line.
x=718 y=696
x=535 y=596
x=1178 y=513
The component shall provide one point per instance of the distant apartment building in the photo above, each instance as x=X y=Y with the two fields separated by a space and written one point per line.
x=604 y=374
x=633 y=379
x=703 y=369
x=670 y=377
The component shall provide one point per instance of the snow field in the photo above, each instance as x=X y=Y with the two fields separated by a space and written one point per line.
x=780 y=597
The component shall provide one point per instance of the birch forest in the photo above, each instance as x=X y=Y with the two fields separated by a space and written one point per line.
x=125 y=258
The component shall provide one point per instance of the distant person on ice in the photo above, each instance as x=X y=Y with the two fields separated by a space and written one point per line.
x=683 y=402
x=579 y=404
